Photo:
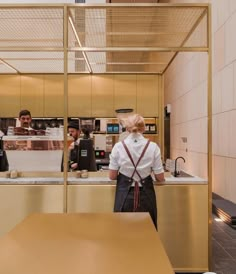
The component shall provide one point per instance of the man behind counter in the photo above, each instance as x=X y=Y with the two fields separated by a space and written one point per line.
x=74 y=131
x=25 y=118
x=81 y=152
x=73 y=150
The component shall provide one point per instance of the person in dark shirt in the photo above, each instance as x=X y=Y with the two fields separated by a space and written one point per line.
x=74 y=131
x=73 y=150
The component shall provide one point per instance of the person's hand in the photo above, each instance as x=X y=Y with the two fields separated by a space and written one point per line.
x=71 y=146
x=74 y=166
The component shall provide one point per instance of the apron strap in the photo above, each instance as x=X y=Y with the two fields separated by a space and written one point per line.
x=136 y=186
x=131 y=159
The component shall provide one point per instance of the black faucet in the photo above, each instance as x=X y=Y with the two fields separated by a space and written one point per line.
x=176 y=173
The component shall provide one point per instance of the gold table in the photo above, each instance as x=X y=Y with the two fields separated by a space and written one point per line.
x=86 y=243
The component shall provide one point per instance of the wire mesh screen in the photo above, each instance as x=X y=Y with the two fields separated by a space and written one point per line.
x=31 y=27
x=123 y=38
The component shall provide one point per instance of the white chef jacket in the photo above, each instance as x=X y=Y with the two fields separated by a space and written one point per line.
x=151 y=161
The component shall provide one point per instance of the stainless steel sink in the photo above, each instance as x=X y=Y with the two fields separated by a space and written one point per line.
x=182 y=174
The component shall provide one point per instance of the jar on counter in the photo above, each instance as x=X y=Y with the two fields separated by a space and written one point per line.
x=13 y=174
x=84 y=173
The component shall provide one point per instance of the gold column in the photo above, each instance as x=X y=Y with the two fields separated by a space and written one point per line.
x=209 y=37
x=65 y=44
x=161 y=114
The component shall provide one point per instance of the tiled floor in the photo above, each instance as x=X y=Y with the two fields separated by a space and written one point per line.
x=223 y=248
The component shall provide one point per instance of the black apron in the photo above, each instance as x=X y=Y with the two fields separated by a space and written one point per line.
x=135 y=199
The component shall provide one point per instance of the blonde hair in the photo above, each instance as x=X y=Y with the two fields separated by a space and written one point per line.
x=134 y=123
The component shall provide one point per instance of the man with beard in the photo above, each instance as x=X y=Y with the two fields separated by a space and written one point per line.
x=25 y=119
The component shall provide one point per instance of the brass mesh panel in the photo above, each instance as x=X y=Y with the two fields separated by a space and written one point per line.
x=31 y=30
x=132 y=26
x=31 y=27
x=135 y=27
x=137 y=61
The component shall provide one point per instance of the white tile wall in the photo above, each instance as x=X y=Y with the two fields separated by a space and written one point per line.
x=217 y=92
x=230 y=39
x=232 y=6
x=223 y=11
x=203 y=135
x=223 y=134
x=227 y=90
x=232 y=134
x=219 y=178
x=234 y=84
x=230 y=176
x=219 y=49
x=187 y=93
x=215 y=146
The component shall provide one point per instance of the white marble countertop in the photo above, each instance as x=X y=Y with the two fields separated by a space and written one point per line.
x=32 y=138
x=92 y=180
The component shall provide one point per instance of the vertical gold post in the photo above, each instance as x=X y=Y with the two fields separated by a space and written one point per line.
x=161 y=113
x=209 y=37
x=65 y=163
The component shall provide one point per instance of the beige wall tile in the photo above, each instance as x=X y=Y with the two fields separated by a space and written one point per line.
x=215 y=148
x=193 y=163
x=227 y=95
x=188 y=106
x=204 y=66
x=234 y=83
x=223 y=133
x=175 y=136
x=223 y=11
x=202 y=98
x=230 y=39
x=214 y=173
x=184 y=131
x=232 y=6
x=196 y=70
x=194 y=136
x=232 y=133
x=219 y=185
x=187 y=94
x=203 y=163
x=230 y=179
x=214 y=18
x=219 y=48
x=217 y=92
x=203 y=135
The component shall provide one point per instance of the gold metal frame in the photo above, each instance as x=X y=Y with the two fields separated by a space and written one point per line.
x=65 y=49
x=65 y=152
x=209 y=108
